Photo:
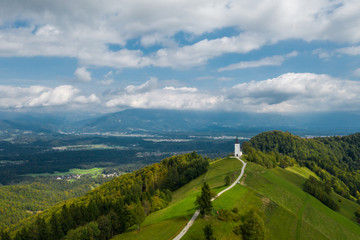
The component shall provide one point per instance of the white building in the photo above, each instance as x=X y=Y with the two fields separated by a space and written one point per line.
x=237 y=152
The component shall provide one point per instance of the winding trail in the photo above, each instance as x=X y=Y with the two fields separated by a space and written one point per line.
x=196 y=214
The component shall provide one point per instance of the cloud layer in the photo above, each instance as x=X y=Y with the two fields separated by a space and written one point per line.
x=287 y=93
x=40 y=96
x=268 y=61
x=298 y=92
x=65 y=28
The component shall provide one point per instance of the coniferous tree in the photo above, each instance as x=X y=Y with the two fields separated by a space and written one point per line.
x=66 y=221
x=209 y=233
x=22 y=234
x=4 y=235
x=357 y=213
x=227 y=180
x=42 y=229
x=55 y=228
x=203 y=202
x=252 y=228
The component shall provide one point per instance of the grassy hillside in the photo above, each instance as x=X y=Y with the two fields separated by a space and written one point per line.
x=166 y=223
x=289 y=212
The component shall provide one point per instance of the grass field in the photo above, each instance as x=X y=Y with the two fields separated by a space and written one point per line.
x=87 y=147
x=166 y=223
x=92 y=171
x=289 y=212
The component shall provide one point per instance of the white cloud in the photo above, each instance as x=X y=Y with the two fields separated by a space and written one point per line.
x=268 y=61
x=288 y=93
x=108 y=74
x=224 y=79
x=86 y=100
x=151 y=95
x=297 y=92
x=107 y=81
x=322 y=53
x=145 y=87
x=40 y=96
x=355 y=50
x=181 y=89
x=357 y=72
x=83 y=29
x=82 y=74
x=200 y=52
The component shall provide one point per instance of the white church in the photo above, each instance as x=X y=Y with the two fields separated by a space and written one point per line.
x=237 y=152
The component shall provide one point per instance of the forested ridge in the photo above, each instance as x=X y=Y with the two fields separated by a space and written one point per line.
x=116 y=205
x=336 y=160
x=22 y=200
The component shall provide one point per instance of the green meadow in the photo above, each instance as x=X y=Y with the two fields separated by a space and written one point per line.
x=92 y=171
x=288 y=212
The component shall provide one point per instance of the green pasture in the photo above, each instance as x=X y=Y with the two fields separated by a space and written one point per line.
x=92 y=171
x=173 y=218
x=288 y=211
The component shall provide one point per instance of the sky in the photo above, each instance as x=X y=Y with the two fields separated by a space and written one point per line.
x=265 y=56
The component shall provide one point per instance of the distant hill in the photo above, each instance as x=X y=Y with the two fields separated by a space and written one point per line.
x=169 y=121
x=34 y=122
x=150 y=120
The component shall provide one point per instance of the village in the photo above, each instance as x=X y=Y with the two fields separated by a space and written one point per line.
x=70 y=177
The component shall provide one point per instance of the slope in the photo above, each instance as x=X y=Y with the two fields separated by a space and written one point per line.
x=166 y=223
x=289 y=212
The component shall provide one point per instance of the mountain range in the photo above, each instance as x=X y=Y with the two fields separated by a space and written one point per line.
x=172 y=121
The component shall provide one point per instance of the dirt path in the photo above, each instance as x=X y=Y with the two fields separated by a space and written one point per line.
x=196 y=214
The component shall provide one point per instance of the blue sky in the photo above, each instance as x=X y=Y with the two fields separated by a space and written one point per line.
x=276 y=56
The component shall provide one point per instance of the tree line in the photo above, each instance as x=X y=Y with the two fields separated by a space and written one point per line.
x=321 y=191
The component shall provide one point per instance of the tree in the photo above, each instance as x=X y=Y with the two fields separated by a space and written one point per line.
x=208 y=232
x=55 y=227
x=22 y=234
x=104 y=226
x=42 y=227
x=203 y=202
x=252 y=228
x=4 y=235
x=357 y=213
x=227 y=180
x=89 y=231
x=137 y=213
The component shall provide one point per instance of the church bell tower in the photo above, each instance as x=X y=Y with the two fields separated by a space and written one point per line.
x=237 y=152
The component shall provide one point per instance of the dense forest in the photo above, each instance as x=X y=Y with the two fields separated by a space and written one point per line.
x=22 y=200
x=336 y=160
x=116 y=205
